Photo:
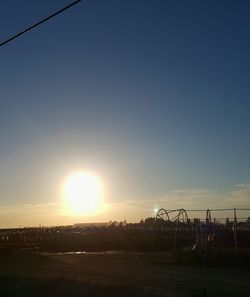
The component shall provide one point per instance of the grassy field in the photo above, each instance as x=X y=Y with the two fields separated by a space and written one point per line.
x=121 y=274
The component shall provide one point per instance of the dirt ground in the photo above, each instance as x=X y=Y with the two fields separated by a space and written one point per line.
x=150 y=272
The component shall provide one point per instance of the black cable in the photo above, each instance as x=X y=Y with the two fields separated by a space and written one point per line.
x=39 y=23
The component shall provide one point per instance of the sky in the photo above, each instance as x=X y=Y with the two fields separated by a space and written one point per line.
x=150 y=96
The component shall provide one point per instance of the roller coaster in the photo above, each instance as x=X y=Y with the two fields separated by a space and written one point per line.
x=206 y=232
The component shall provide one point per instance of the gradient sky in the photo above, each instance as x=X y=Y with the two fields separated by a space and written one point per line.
x=152 y=96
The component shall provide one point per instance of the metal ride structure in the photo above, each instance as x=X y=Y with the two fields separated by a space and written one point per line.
x=173 y=219
x=177 y=215
x=206 y=233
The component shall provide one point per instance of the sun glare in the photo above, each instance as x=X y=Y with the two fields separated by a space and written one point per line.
x=82 y=192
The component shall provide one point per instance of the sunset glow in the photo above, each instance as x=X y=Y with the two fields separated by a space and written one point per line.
x=82 y=191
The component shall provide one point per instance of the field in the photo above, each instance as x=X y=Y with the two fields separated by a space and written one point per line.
x=115 y=274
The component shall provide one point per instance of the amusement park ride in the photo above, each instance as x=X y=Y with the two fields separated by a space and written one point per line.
x=206 y=233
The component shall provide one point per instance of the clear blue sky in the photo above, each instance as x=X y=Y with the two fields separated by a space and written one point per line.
x=153 y=96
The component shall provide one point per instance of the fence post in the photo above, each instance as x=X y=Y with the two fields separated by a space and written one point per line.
x=235 y=235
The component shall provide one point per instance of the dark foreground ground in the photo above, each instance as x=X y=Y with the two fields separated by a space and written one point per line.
x=121 y=274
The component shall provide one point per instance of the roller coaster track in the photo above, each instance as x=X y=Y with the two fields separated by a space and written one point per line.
x=181 y=215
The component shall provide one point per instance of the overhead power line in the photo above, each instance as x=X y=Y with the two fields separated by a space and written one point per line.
x=39 y=23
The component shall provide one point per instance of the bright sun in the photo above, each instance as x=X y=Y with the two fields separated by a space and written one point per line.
x=83 y=192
